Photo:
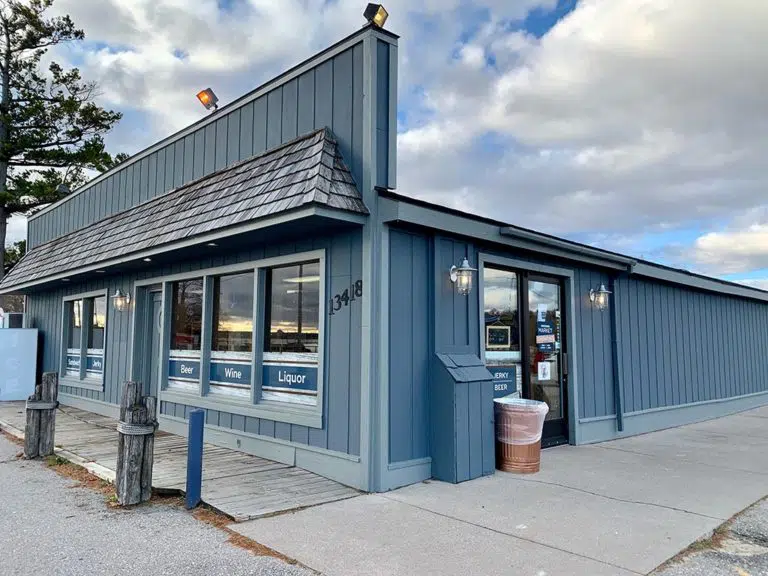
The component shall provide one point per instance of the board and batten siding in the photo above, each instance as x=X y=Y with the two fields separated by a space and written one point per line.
x=677 y=345
x=328 y=95
x=409 y=346
x=682 y=346
x=341 y=410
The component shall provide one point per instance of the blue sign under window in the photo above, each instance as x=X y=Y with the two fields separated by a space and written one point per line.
x=94 y=364
x=504 y=380
x=289 y=378
x=223 y=372
x=184 y=369
x=73 y=362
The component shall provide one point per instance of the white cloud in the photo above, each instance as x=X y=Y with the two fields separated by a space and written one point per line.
x=629 y=118
x=733 y=251
x=627 y=114
x=761 y=283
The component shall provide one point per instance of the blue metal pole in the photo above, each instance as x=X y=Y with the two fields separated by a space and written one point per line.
x=195 y=457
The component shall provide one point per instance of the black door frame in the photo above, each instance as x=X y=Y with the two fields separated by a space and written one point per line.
x=555 y=431
x=565 y=279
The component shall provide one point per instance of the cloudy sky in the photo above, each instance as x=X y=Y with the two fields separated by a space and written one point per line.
x=638 y=126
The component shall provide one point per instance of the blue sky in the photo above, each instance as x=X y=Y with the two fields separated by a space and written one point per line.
x=635 y=125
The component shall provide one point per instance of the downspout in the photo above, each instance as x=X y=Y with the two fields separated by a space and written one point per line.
x=618 y=385
x=618 y=388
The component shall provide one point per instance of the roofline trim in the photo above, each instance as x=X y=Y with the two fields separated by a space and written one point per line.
x=397 y=210
x=290 y=216
x=685 y=278
x=546 y=244
x=565 y=245
x=283 y=78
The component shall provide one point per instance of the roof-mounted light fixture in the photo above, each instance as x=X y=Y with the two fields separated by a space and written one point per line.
x=376 y=14
x=208 y=99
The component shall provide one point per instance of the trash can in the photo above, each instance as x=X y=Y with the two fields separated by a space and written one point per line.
x=519 y=424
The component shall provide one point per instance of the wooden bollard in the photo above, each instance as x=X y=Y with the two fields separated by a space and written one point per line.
x=135 y=446
x=41 y=417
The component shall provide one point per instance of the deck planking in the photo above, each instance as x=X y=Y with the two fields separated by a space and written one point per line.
x=241 y=486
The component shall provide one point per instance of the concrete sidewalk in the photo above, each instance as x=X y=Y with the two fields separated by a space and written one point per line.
x=620 y=507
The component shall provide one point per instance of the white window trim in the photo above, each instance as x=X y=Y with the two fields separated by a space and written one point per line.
x=292 y=413
x=85 y=381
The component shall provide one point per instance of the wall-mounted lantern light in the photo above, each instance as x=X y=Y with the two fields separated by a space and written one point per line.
x=208 y=99
x=376 y=14
x=599 y=297
x=121 y=300
x=461 y=275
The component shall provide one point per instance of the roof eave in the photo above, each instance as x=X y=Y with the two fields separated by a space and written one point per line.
x=306 y=211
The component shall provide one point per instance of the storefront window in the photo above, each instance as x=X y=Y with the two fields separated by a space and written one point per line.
x=98 y=323
x=232 y=344
x=86 y=324
x=94 y=366
x=186 y=334
x=291 y=340
x=233 y=313
x=74 y=312
x=502 y=330
x=187 y=314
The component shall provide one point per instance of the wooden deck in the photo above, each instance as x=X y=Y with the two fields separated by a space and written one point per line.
x=239 y=485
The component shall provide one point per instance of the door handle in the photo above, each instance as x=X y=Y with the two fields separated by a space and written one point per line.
x=565 y=363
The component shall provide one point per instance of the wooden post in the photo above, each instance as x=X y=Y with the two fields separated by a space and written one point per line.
x=135 y=446
x=50 y=394
x=32 y=430
x=41 y=417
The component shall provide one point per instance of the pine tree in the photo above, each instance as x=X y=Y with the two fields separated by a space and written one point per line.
x=51 y=131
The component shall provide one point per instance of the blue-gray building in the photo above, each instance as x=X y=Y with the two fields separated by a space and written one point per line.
x=260 y=265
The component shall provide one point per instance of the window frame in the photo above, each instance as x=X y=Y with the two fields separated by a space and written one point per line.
x=254 y=405
x=84 y=380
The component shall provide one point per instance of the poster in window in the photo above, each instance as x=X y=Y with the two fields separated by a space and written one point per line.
x=544 y=371
x=497 y=337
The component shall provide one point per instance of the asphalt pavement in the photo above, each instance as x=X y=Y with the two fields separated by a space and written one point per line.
x=738 y=548
x=50 y=526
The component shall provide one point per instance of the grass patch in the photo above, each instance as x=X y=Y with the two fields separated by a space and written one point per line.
x=12 y=438
x=53 y=461
x=81 y=476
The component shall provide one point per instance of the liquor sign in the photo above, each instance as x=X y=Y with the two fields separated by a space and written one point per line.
x=289 y=378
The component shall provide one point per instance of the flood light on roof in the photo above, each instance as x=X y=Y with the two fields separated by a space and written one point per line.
x=208 y=99
x=376 y=14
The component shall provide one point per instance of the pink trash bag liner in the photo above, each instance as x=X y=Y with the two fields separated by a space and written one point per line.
x=519 y=421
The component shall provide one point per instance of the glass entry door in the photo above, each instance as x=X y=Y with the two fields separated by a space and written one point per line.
x=524 y=342
x=545 y=348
